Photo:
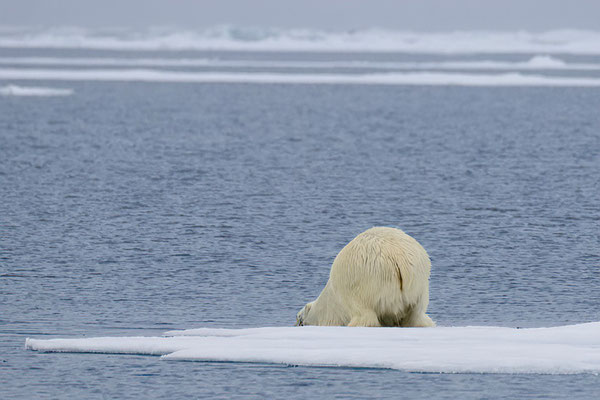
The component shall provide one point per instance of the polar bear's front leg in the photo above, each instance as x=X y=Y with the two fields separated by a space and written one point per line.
x=365 y=318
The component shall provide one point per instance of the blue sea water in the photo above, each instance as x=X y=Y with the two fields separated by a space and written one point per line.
x=132 y=208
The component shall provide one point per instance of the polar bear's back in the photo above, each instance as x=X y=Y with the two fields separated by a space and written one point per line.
x=382 y=266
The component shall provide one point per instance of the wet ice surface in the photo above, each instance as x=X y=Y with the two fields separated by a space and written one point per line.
x=131 y=209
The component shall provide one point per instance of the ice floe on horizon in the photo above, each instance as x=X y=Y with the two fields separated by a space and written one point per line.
x=232 y=38
x=538 y=62
x=391 y=78
x=558 y=350
x=14 y=90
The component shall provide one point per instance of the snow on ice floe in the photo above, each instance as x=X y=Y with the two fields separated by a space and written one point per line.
x=538 y=62
x=559 y=350
x=232 y=38
x=14 y=90
x=393 y=78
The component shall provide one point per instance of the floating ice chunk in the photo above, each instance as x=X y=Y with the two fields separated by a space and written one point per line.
x=396 y=78
x=559 y=350
x=13 y=90
x=112 y=345
x=546 y=62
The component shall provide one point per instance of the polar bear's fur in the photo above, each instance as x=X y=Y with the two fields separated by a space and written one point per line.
x=381 y=278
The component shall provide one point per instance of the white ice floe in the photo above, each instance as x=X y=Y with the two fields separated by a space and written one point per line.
x=559 y=350
x=539 y=62
x=395 y=78
x=13 y=90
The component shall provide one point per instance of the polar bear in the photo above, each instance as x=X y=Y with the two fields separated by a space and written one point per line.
x=381 y=278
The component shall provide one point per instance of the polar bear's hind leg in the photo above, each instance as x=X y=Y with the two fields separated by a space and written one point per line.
x=365 y=318
x=418 y=319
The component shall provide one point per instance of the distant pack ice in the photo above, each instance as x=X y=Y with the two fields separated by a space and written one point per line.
x=559 y=350
x=394 y=78
x=232 y=38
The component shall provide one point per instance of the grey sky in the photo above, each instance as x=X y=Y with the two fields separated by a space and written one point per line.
x=428 y=15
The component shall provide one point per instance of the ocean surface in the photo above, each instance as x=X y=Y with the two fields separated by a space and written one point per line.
x=152 y=187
